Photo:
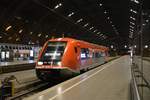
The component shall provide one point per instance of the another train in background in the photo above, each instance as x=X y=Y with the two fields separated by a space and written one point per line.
x=63 y=57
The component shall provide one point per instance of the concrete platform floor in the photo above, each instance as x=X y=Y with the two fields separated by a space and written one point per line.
x=17 y=62
x=107 y=82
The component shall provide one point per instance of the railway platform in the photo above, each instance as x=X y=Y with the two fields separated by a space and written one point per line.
x=110 y=81
x=7 y=67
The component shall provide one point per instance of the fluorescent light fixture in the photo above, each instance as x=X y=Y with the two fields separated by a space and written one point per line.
x=86 y=25
x=133 y=11
x=9 y=27
x=46 y=36
x=125 y=46
x=132 y=18
x=105 y=12
x=39 y=35
x=111 y=46
x=78 y=21
x=91 y=28
x=58 y=5
x=131 y=27
x=95 y=31
x=146 y=46
x=136 y=1
x=20 y=31
x=98 y=32
x=143 y=24
x=71 y=14
x=132 y=23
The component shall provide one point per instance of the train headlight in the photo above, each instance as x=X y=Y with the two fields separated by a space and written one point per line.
x=40 y=63
x=59 y=63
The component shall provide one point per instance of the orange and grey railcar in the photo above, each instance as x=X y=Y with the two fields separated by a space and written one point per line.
x=63 y=57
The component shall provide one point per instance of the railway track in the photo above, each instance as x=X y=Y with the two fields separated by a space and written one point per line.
x=34 y=88
x=31 y=89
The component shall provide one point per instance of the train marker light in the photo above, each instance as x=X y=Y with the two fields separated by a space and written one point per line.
x=40 y=63
x=59 y=63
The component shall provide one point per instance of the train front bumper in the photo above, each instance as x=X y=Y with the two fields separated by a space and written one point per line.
x=54 y=73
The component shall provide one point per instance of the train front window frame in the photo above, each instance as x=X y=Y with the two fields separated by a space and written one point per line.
x=53 y=51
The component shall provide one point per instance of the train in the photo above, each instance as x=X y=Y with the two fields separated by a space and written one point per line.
x=63 y=57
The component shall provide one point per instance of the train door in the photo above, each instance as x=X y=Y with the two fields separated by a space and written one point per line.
x=77 y=56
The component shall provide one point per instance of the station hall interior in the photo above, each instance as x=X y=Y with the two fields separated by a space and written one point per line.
x=75 y=49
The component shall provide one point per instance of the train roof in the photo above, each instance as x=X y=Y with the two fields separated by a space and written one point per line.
x=79 y=41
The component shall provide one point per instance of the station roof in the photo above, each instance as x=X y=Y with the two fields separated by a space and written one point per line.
x=104 y=22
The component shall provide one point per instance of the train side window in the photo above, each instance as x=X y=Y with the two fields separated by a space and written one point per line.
x=83 y=53
x=87 y=53
x=75 y=48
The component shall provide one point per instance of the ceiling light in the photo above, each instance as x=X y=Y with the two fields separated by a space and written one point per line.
x=95 y=31
x=131 y=27
x=147 y=20
x=46 y=36
x=100 y=4
x=78 y=21
x=146 y=46
x=131 y=31
x=125 y=46
x=143 y=24
x=31 y=33
x=133 y=11
x=9 y=27
x=20 y=31
x=71 y=14
x=136 y=1
x=86 y=25
x=132 y=23
x=58 y=5
x=91 y=28
x=111 y=46
x=39 y=35
x=105 y=12
x=132 y=18
x=101 y=35
x=98 y=32
x=135 y=46
x=17 y=39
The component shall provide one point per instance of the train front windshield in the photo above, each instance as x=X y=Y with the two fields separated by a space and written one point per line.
x=53 y=53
